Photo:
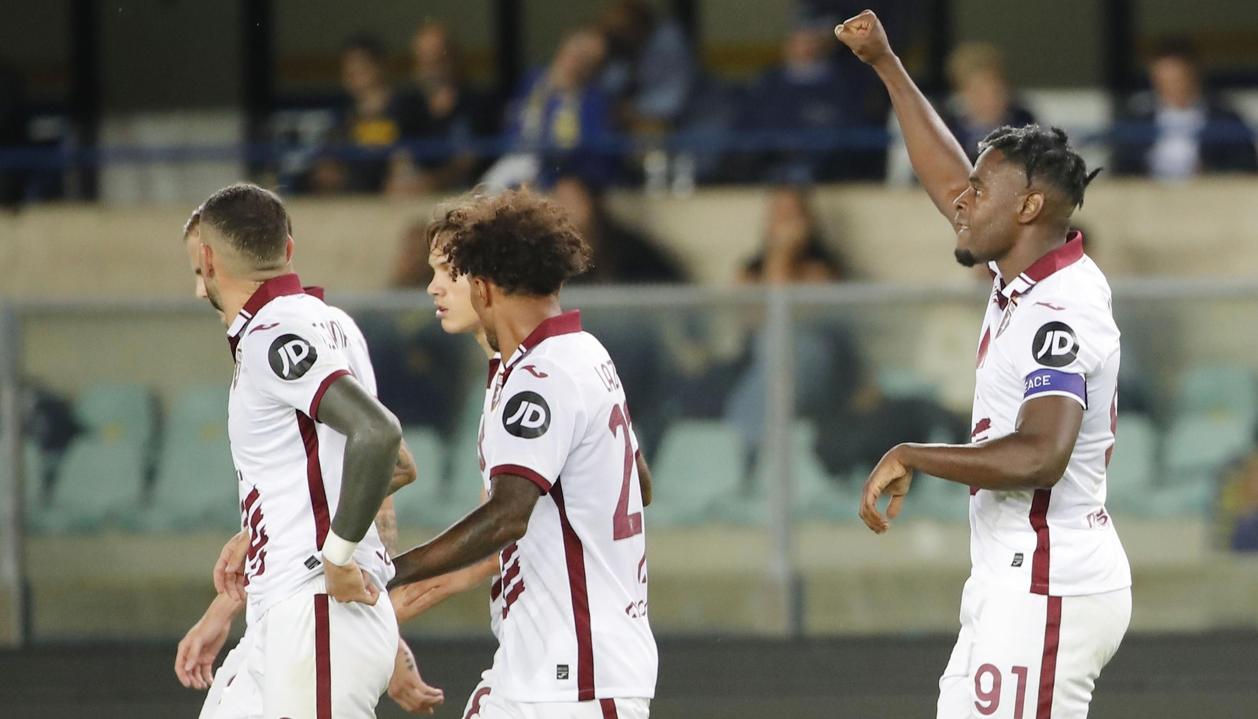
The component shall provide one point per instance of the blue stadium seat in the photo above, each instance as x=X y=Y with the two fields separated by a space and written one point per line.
x=1197 y=448
x=196 y=485
x=119 y=412
x=98 y=485
x=1218 y=390
x=698 y=470
x=423 y=501
x=1132 y=476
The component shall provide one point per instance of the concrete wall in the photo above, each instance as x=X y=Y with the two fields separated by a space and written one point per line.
x=1205 y=229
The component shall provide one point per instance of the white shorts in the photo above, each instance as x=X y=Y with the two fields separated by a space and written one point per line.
x=484 y=704
x=1030 y=656
x=308 y=657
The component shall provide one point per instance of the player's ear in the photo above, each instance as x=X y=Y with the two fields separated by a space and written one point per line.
x=288 y=250
x=1032 y=207
x=481 y=288
x=207 y=260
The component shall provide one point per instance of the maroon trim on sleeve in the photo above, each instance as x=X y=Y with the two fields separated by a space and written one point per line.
x=314 y=478
x=532 y=476
x=323 y=659
x=574 y=553
x=323 y=388
x=609 y=708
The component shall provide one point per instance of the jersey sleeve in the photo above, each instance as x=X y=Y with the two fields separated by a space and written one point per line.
x=294 y=363
x=535 y=428
x=1057 y=345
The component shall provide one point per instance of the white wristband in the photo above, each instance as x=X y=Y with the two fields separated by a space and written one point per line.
x=338 y=551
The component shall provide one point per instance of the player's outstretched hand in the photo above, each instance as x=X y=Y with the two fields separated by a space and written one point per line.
x=412 y=600
x=865 y=36
x=892 y=478
x=349 y=583
x=408 y=688
x=194 y=660
x=229 y=570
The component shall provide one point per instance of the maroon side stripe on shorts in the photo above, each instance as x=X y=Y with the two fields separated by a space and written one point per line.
x=323 y=659
x=314 y=478
x=1048 y=663
x=575 y=554
x=1039 y=560
x=609 y=708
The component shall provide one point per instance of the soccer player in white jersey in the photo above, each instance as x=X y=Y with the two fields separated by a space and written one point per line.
x=200 y=646
x=314 y=453
x=1049 y=595
x=559 y=458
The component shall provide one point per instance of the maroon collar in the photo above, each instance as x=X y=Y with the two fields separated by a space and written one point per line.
x=280 y=286
x=561 y=324
x=316 y=292
x=1040 y=270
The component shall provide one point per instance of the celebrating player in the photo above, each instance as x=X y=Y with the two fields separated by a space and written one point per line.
x=1049 y=595
x=559 y=459
x=314 y=453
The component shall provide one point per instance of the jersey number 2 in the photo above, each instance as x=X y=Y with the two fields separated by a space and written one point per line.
x=624 y=525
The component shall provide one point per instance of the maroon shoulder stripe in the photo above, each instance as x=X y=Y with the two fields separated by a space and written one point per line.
x=1048 y=663
x=574 y=552
x=314 y=478
x=323 y=389
x=323 y=659
x=1039 y=522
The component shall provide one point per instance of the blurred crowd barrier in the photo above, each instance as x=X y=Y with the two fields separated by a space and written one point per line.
x=761 y=411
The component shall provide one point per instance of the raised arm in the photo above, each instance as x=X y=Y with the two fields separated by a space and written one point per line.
x=940 y=163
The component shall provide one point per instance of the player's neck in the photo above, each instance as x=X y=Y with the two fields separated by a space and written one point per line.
x=1032 y=246
x=519 y=317
x=235 y=292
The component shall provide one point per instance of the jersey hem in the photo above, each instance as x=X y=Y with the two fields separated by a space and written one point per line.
x=531 y=475
x=323 y=388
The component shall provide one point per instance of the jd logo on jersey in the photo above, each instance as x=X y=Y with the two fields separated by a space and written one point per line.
x=1055 y=345
x=526 y=415
x=291 y=357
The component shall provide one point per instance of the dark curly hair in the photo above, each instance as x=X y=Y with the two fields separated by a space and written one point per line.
x=1046 y=153
x=518 y=240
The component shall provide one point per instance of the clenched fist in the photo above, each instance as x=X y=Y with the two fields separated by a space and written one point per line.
x=865 y=36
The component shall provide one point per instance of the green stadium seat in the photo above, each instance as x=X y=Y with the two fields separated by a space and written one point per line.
x=119 y=412
x=1220 y=390
x=196 y=485
x=98 y=485
x=698 y=472
x=1132 y=476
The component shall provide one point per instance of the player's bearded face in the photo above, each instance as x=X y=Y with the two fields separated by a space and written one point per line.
x=202 y=290
x=986 y=211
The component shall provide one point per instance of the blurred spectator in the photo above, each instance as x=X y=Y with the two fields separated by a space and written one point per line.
x=793 y=249
x=1178 y=130
x=621 y=255
x=811 y=100
x=369 y=126
x=650 y=65
x=443 y=108
x=1240 y=502
x=12 y=130
x=982 y=99
x=560 y=122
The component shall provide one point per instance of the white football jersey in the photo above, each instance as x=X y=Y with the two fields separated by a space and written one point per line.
x=574 y=588
x=495 y=587
x=289 y=348
x=1050 y=331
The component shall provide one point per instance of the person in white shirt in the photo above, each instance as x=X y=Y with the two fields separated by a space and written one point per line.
x=315 y=454
x=559 y=459
x=1049 y=595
